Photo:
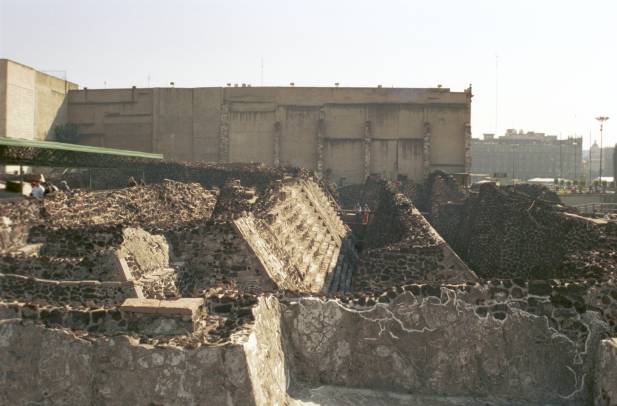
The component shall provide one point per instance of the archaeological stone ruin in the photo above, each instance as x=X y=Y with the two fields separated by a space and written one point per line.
x=228 y=284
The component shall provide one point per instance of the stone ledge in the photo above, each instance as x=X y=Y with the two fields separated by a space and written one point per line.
x=179 y=307
x=154 y=317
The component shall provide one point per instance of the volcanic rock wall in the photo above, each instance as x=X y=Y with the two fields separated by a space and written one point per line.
x=502 y=233
x=214 y=253
x=402 y=247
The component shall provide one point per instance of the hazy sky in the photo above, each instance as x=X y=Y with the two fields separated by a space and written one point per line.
x=557 y=60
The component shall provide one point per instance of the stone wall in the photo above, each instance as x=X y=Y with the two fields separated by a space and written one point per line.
x=96 y=266
x=11 y=234
x=213 y=254
x=434 y=343
x=20 y=287
x=606 y=373
x=118 y=370
x=266 y=359
x=400 y=246
x=505 y=233
x=563 y=303
x=91 y=319
x=53 y=366
x=438 y=347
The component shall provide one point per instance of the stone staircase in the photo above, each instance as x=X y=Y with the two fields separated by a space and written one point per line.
x=300 y=240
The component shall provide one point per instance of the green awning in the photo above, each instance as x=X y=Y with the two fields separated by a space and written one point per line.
x=17 y=151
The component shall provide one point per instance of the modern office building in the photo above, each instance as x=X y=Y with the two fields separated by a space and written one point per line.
x=525 y=155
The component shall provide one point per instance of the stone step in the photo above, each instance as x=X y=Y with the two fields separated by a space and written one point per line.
x=332 y=265
x=313 y=253
x=315 y=276
x=302 y=250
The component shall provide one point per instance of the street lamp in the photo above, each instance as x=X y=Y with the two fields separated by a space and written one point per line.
x=601 y=119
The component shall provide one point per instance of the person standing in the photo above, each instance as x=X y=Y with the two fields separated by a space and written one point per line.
x=365 y=214
x=38 y=191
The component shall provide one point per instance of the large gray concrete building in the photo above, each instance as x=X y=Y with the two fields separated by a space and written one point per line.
x=31 y=102
x=519 y=155
x=343 y=133
x=347 y=133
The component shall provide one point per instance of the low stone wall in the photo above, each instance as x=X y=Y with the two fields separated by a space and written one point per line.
x=214 y=253
x=606 y=374
x=95 y=266
x=440 y=348
x=19 y=287
x=118 y=370
x=92 y=320
x=424 y=345
x=77 y=241
x=562 y=303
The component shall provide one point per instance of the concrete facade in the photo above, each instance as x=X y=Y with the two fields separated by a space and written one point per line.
x=343 y=133
x=32 y=103
x=528 y=155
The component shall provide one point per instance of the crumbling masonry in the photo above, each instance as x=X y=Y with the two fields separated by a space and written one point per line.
x=243 y=285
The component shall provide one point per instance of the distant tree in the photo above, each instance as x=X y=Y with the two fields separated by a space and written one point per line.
x=68 y=132
x=596 y=183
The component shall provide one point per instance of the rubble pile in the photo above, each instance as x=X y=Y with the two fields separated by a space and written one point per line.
x=501 y=232
x=163 y=206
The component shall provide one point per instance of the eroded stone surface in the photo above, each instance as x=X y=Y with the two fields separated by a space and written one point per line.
x=606 y=373
x=436 y=348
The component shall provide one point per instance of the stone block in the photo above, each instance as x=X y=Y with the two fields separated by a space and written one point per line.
x=163 y=317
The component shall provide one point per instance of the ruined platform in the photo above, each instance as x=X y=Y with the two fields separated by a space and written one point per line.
x=246 y=287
